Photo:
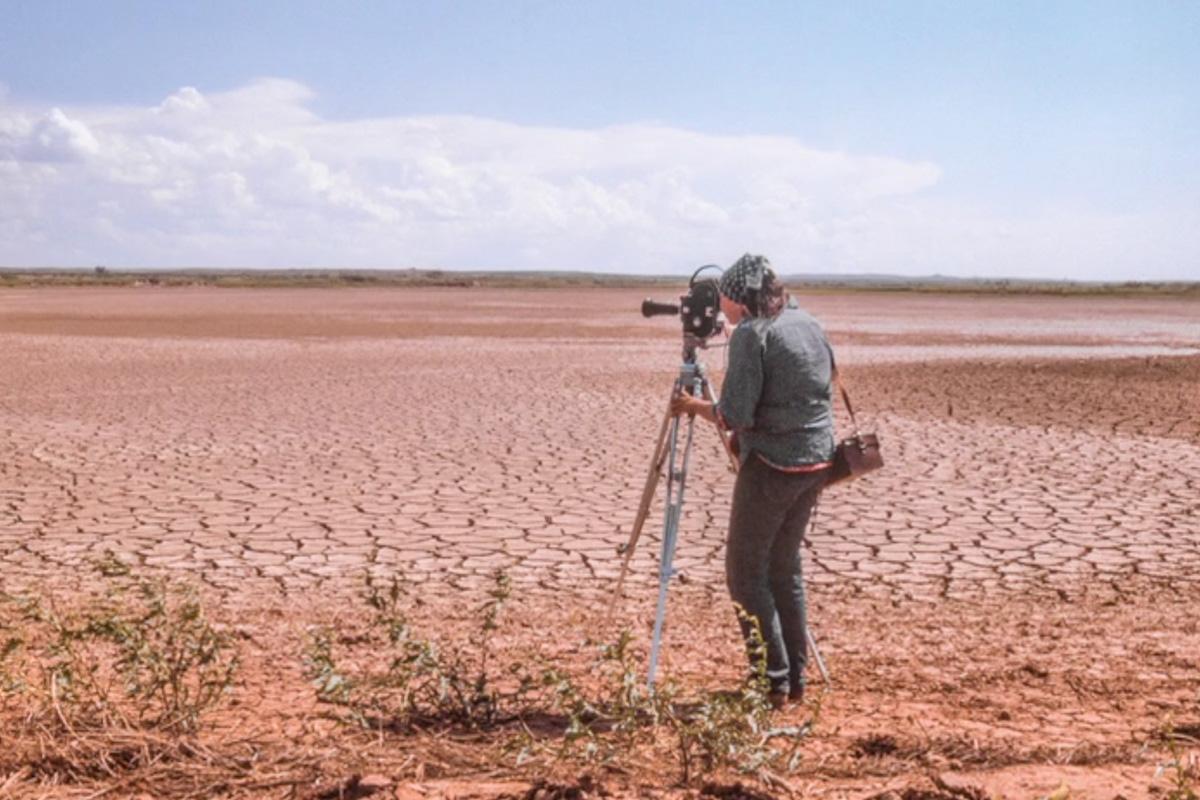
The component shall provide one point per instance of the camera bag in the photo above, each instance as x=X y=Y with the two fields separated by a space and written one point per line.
x=858 y=454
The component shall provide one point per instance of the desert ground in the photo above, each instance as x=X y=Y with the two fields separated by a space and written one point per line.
x=1010 y=608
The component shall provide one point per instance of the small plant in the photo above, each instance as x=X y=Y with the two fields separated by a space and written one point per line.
x=718 y=730
x=142 y=654
x=421 y=682
x=619 y=715
x=731 y=729
x=627 y=701
x=13 y=637
x=396 y=679
x=1182 y=768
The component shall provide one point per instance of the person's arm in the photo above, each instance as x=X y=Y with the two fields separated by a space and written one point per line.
x=742 y=388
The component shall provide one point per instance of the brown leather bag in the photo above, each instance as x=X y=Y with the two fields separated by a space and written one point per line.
x=856 y=455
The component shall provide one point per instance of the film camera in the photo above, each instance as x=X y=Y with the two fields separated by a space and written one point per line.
x=699 y=310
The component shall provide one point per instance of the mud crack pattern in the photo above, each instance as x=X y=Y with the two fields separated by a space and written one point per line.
x=297 y=437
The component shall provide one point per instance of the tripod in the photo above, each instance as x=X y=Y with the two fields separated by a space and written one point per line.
x=693 y=379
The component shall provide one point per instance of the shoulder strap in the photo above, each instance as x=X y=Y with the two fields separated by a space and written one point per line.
x=837 y=377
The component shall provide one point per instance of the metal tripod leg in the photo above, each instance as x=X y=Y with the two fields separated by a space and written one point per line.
x=676 y=484
x=656 y=465
x=812 y=640
x=666 y=568
x=655 y=473
x=816 y=651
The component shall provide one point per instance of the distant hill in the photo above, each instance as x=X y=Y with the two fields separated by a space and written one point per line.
x=103 y=276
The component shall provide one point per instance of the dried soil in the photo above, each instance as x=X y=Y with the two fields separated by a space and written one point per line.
x=1010 y=605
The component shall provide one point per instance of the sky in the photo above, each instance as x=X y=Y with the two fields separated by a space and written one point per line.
x=1052 y=140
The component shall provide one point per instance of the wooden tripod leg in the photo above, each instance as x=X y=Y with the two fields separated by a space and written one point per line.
x=652 y=478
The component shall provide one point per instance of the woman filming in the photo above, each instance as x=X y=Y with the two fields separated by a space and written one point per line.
x=776 y=399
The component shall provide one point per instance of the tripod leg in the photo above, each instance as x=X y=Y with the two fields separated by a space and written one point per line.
x=677 y=480
x=666 y=572
x=812 y=640
x=706 y=389
x=816 y=651
x=652 y=478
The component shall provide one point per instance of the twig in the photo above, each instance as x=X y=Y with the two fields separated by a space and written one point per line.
x=19 y=775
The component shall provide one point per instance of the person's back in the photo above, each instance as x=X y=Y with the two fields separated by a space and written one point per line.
x=792 y=422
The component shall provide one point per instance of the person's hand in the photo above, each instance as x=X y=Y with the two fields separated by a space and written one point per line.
x=682 y=404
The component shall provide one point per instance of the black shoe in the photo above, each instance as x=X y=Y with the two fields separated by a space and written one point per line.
x=778 y=700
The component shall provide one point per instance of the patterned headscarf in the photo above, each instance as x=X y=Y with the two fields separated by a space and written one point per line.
x=737 y=282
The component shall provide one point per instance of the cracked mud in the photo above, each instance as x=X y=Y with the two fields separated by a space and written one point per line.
x=295 y=437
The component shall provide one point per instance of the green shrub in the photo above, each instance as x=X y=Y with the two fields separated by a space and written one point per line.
x=419 y=681
x=140 y=653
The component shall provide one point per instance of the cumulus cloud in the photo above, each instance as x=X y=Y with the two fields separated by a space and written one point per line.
x=253 y=177
x=52 y=136
x=186 y=101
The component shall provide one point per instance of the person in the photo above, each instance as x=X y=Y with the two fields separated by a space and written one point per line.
x=777 y=401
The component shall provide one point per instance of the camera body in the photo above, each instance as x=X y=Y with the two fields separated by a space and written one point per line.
x=699 y=310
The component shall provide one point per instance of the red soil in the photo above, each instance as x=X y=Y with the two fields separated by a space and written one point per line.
x=1010 y=604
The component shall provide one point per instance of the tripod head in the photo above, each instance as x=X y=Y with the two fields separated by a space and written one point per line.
x=691 y=344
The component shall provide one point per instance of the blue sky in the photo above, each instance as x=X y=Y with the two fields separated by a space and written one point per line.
x=1022 y=139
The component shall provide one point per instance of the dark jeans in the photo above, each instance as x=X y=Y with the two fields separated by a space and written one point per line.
x=770 y=514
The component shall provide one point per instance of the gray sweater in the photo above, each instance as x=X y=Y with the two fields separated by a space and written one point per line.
x=777 y=393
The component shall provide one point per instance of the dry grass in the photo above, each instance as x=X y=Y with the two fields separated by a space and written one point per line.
x=504 y=695
x=112 y=691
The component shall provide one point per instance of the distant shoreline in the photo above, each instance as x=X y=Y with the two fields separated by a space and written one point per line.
x=424 y=278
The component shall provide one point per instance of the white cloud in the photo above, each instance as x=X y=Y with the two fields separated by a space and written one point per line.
x=50 y=137
x=186 y=101
x=252 y=177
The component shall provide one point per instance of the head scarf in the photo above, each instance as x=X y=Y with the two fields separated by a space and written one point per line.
x=737 y=282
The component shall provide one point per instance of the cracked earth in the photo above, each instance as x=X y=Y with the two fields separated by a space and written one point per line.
x=1012 y=597
x=295 y=437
